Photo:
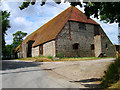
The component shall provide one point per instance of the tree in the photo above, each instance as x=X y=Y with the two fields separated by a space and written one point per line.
x=108 y=12
x=32 y=2
x=5 y=26
x=18 y=38
x=9 y=49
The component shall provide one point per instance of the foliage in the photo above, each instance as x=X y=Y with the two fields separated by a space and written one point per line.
x=5 y=26
x=26 y=4
x=59 y=54
x=18 y=38
x=112 y=74
x=108 y=11
x=9 y=49
x=50 y=57
x=115 y=86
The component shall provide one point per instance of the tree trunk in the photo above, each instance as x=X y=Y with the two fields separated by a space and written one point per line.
x=119 y=33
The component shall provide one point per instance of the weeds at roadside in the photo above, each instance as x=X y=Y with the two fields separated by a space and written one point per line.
x=112 y=75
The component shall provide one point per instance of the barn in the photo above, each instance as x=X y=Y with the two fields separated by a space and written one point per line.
x=70 y=34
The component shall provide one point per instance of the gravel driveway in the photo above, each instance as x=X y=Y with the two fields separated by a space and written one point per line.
x=87 y=73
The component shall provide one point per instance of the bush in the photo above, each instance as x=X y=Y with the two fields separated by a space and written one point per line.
x=50 y=57
x=59 y=54
x=112 y=74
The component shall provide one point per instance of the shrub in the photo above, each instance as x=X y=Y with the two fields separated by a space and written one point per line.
x=112 y=74
x=50 y=57
x=59 y=54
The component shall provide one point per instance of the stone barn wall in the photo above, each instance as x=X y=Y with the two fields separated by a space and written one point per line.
x=71 y=34
x=107 y=46
x=35 y=51
x=49 y=49
x=24 y=50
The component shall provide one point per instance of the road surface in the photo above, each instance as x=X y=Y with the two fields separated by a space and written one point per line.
x=77 y=74
x=18 y=74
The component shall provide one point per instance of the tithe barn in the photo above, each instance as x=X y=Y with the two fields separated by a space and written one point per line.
x=70 y=34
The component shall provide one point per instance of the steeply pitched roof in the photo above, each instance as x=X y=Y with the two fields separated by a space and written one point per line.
x=50 y=30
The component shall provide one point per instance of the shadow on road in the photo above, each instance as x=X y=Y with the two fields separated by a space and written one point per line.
x=21 y=71
x=7 y=65
x=89 y=83
x=26 y=71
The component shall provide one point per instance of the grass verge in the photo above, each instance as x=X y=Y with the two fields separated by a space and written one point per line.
x=51 y=59
x=115 y=86
x=81 y=58
x=112 y=74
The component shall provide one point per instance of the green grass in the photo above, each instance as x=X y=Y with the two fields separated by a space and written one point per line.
x=115 y=86
x=82 y=58
x=29 y=58
x=112 y=74
x=41 y=56
x=50 y=58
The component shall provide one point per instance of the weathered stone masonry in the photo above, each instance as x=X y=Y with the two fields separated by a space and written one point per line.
x=107 y=46
x=35 y=51
x=85 y=38
x=48 y=50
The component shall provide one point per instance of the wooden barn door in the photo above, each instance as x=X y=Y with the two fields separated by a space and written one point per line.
x=40 y=50
x=29 y=49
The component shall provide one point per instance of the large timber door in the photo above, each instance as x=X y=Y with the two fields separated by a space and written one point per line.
x=29 y=49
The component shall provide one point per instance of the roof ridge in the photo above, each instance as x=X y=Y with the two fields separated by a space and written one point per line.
x=71 y=11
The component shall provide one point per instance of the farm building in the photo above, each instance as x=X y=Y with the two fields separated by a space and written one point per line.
x=70 y=34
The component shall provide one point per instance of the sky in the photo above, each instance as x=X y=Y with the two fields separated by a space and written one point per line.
x=33 y=17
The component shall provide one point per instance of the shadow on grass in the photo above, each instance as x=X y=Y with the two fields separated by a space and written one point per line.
x=7 y=65
x=89 y=83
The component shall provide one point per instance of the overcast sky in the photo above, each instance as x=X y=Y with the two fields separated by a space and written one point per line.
x=31 y=18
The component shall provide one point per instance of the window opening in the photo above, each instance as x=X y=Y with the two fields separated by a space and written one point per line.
x=92 y=47
x=75 y=46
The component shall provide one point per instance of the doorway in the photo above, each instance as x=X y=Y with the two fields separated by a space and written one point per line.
x=29 y=49
x=40 y=50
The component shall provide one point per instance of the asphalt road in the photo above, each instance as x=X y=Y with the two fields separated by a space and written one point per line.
x=17 y=74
